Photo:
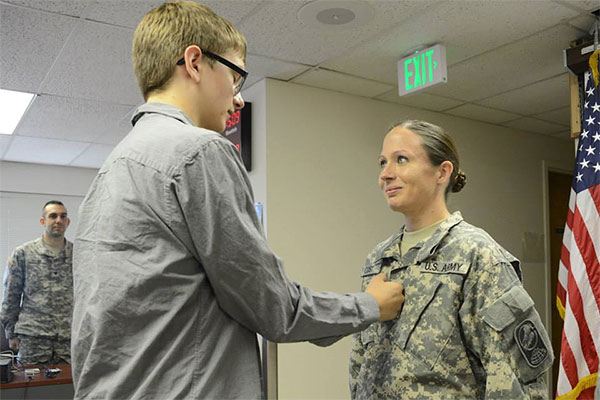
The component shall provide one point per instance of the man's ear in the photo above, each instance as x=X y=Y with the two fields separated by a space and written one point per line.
x=43 y=221
x=445 y=170
x=193 y=56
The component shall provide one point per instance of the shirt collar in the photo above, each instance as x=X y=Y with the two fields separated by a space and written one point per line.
x=167 y=110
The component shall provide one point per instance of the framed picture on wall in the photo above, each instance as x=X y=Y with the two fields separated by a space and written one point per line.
x=239 y=131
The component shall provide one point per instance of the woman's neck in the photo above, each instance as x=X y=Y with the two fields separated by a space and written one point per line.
x=424 y=219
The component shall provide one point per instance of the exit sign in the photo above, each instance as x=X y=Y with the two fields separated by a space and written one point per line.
x=422 y=69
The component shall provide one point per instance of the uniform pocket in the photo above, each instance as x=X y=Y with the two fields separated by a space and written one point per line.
x=426 y=322
x=369 y=336
x=522 y=331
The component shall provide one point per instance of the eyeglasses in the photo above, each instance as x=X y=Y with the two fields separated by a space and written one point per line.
x=238 y=79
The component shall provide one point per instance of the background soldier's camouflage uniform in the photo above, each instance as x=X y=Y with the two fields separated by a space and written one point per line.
x=468 y=328
x=45 y=283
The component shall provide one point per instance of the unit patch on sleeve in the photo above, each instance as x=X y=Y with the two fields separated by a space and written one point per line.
x=530 y=343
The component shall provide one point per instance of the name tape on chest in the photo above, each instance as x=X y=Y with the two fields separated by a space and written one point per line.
x=439 y=267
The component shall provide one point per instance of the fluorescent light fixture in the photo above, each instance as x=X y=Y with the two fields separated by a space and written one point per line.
x=12 y=108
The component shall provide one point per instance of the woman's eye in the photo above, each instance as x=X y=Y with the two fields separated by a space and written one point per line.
x=402 y=159
x=382 y=163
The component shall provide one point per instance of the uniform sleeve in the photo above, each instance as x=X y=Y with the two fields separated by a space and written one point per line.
x=505 y=333
x=248 y=279
x=14 y=278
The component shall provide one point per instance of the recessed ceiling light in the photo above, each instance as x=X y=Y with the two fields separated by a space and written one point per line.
x=335 y=13
x=13 y=106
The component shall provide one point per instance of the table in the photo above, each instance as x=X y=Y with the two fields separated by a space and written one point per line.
x=39 y=386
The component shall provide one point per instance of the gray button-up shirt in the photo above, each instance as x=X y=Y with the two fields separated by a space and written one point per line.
x=173 y=276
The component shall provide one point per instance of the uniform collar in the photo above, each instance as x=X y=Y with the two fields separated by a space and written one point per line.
x=167 y=110
x=42 y=249
x=421 y=251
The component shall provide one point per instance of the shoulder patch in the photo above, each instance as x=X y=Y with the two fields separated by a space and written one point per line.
x=530 y=343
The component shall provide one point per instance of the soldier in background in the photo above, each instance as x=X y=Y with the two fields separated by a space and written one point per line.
x=38 y=293
x=468 y=328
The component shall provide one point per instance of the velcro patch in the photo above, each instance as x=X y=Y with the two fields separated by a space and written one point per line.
x=530 y=343
x=439 y=267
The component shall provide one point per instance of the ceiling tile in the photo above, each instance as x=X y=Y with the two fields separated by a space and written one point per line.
x=480 y=113
x=95 y=64
x=586 y=5
x=43 y=151
x=4 y=143
x=539 y=97
x=66 y=7
x=561 y=116
x=277 y=32
x=129 y=13
x=564 y=135
x=28 y=54
x=535 y=125
x=510 y=67
x=477 y=32
x=332 y=80
x=112 y=137
x=71 y=119
x=260 y=67
x=420 y=100
x=121 y=13
x=93 y=156
x=583 y=22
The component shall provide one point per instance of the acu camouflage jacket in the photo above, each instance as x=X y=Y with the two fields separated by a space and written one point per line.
x=468 y=328
x=45 y=285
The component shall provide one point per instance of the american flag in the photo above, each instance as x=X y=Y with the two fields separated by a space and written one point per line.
x=578 y=290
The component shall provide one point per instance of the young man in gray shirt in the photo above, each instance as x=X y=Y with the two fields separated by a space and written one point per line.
x=173 y=276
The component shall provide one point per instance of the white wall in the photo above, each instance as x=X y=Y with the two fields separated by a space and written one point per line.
x=51 y=179
x=326 y=211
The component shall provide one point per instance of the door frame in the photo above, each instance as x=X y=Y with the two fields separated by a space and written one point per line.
x=547 y=167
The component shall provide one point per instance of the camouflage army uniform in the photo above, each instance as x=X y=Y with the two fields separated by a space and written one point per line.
x=467 y=329
x=43 y=320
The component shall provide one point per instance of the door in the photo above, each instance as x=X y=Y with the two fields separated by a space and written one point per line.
x=559 y=189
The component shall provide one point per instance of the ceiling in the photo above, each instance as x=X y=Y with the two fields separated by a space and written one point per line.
x=505 y=62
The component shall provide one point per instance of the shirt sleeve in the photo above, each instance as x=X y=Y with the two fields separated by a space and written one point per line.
x=248 y=279
x=14 y=278
x=505 y=333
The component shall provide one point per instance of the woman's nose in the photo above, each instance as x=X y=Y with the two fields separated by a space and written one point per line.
x=385 y=173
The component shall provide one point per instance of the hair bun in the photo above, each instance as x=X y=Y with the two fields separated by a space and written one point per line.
x=459 y=182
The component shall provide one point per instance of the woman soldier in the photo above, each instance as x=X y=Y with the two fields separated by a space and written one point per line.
x=468 y=328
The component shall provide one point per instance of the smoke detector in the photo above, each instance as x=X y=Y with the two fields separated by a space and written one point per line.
x=335 y=13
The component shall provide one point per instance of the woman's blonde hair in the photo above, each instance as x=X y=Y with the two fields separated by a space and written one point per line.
x=164 y=33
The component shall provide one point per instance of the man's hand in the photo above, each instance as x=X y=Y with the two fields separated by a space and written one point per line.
x=13 y=343
x=388 y=295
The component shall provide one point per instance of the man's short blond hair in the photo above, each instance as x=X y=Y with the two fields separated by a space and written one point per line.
x=164 y=33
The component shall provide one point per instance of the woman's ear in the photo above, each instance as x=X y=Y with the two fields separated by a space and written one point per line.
x=445 y=170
